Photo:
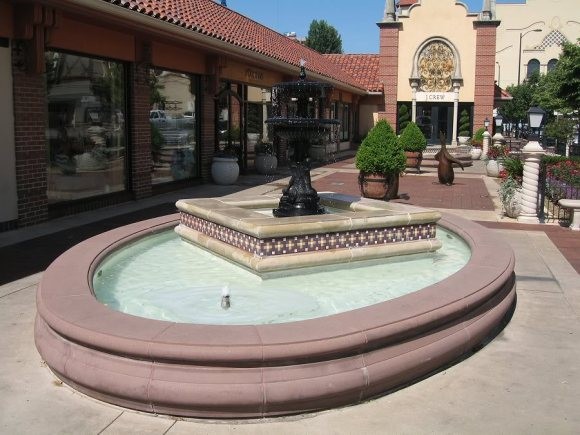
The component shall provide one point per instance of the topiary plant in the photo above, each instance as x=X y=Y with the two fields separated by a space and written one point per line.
x=464 y=124
x=381 y=152
x=412 y=139
x=404 y=117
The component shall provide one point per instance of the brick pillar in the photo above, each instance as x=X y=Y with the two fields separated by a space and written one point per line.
x=484 y=72
x=389 y=68
x=140 y=132
x=30 y=119
x=207 y=145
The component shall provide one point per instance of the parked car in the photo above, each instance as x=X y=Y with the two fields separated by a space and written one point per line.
x=157 y=117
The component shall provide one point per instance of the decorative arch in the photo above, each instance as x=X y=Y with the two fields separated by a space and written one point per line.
x=436 y=65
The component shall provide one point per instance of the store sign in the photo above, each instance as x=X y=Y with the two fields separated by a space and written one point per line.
x=436 y=97
x=254 y=75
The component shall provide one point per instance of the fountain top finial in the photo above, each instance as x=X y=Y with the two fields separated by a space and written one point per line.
x=302 y=69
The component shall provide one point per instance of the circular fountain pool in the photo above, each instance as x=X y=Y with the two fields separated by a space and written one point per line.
x=165 y=278
x=257 y=370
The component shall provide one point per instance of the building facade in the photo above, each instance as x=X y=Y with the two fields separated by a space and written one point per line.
x=105 y=101
x=111 y=101
x=530 y=37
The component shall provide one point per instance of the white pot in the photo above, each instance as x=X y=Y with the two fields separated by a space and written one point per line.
x=493 y=168
x=266 y=164
x=463 y=140
x=225 y=170
x=475 y=153
x=513 y=207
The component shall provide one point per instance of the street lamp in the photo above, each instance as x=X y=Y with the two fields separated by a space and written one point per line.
x=498 y=123
x=535 y=119
x=486 y=123
x=520 y=52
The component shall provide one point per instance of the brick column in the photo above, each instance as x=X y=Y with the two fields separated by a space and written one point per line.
x=484 y=71
x=389 y=68
x=30 y=119
x=140 y=132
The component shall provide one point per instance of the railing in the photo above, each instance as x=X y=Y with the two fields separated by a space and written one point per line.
x=551 y=190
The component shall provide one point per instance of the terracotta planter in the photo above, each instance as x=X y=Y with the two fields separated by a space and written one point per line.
x=414 y=159
x=378 y=186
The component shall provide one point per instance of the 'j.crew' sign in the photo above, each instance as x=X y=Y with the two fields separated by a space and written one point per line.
x=435 y=97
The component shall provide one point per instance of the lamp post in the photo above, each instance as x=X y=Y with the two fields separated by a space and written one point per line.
x=486 y=123
x=498 y=74
x=499 y=123
x=532 y=153
x=520 y=52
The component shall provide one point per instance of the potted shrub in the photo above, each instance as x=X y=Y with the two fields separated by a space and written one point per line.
x=414 y=143
x=266 y=161
x=225 y=167
x=464 y=128
x=380 y=160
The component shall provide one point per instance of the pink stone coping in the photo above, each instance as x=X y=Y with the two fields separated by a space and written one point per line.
x=215 y=371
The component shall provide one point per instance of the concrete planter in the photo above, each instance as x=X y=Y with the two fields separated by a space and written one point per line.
x=493 y=168
x=225 y=170
x=266 y=164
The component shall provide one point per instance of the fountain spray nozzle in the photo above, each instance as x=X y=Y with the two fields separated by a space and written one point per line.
x=226 y=297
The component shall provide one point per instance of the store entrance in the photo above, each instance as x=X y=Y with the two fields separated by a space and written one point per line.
x=433 y=119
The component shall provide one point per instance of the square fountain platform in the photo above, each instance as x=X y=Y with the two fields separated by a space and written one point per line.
x=354 y=229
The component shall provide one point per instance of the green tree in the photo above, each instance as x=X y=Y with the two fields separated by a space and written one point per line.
x=523 y=97
x=323 y=38
x=568 y=75
x=380 y=151
x=560 y=129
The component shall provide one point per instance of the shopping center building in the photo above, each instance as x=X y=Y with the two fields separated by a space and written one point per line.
x=106 y=101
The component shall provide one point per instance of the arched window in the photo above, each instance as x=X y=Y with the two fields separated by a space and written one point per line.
x=533 y=67
x=552 y=64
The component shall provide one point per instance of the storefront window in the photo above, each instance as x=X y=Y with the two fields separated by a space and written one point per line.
x=86 y=132
x=174 y=125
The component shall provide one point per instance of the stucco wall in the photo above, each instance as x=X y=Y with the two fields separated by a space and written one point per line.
x=8 y=199
x=547 y=15
x=437 y=18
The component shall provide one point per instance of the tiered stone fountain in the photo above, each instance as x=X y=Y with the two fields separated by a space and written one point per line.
x=270 y=369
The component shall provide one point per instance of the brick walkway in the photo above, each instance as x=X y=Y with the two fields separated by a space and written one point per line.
x=466 y=193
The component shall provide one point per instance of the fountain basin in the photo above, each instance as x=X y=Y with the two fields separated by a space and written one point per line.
x=219 y=371
x=360 y=229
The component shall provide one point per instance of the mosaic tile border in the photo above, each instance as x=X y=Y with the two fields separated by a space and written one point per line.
x=273 y=246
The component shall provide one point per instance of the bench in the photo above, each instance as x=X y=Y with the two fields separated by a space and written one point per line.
x=574 y=205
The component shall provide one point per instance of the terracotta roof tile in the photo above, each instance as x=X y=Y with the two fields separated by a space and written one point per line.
x=362 y=67
x=209 y=18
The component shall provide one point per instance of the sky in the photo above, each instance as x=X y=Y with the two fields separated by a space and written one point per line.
x=354 y=20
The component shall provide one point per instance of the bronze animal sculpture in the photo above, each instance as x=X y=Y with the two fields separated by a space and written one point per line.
x=446 y=160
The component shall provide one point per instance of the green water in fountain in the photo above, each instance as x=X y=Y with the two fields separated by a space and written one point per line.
x=165 y=278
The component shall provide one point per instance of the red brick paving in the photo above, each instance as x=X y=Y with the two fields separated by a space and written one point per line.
x=425 y=191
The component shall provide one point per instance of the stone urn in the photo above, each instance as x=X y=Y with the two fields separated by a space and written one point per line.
x=225 y=170
x=266 y=164
x=463 y=140
x=513 y=205
x=475 y=153
x=493 y=168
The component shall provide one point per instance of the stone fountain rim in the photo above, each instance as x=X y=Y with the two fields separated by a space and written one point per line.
x=66 y=304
